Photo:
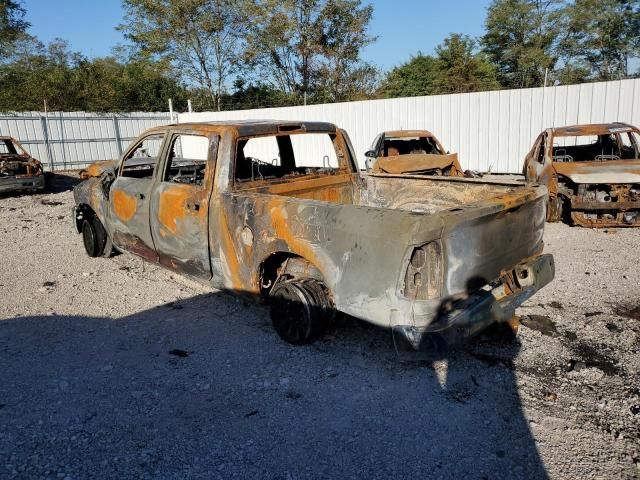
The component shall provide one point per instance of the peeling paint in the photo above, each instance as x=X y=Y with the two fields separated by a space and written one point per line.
x=356 y=234
x=592 y=185
x=124 y=205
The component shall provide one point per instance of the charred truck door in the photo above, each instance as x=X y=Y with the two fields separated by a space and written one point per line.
x=129 y=197
x=180 y=203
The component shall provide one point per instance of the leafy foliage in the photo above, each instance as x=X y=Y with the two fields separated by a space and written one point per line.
x=238 y=54
x=521 y=38
x=69 y=81
x=456 y=68
x=601 y=36
x=411 y=79
x=204 y=39
x=312 y=47
x=12 y=25
x=460 y=70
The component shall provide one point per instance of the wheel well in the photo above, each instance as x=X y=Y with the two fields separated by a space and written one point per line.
x=285 y=264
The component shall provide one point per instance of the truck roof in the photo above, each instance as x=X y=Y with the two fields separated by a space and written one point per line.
x=259 y=127
x=592 y=129
x=408 y=133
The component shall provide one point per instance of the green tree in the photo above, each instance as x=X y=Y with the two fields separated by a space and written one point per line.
x=600 y=37
x=460 y=69
x=520 y=39
x=342 y=74
x=413 y=78
x=311 y=47
x=12 y=25
x=37 y=72
x=69 y=81
x=257 y=95
x=108 y=85
x=456 y=68
x=202 y=38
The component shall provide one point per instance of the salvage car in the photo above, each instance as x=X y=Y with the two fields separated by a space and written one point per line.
x=19 y=171
x=412 y=151
x=592 y=173
x=280 y=210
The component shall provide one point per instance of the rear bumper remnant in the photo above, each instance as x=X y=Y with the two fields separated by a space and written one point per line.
x=462 y=318
x=19 y=183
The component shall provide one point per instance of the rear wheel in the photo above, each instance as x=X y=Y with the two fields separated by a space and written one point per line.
x=300 y=310
x=94 y=237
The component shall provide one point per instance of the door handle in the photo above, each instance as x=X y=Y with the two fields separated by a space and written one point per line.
x=193 y=206
x=141 y=196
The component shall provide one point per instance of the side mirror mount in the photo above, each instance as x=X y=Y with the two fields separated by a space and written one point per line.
x=367 y=164
x=370 y=154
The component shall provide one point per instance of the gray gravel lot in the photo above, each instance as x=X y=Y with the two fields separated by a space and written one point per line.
x=113 y=368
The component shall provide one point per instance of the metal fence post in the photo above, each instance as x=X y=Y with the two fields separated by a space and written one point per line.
x=116 y=130
x=62 y=142
x=47 y=145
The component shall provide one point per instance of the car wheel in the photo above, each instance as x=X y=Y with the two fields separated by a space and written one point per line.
x=93 y=237
x=300 y=310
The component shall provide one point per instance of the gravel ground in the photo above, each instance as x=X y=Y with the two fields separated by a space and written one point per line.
x=113 y=368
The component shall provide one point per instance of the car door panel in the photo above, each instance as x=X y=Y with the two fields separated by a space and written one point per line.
x=179 y=215
x=129 y=205
x=129 y=197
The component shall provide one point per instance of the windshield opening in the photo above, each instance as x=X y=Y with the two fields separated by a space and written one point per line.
x=605 y=147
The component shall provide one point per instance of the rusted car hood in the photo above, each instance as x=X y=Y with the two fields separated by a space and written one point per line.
x=97 y=169
x=11 y=165
x=415 y=163
x=622 y=171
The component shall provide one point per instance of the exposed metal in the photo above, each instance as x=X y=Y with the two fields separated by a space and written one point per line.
x=412 y=253
x=596 y=185
x=412 y=151
x=19 y=171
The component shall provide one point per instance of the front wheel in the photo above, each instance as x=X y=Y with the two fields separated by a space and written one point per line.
x=300 y=310
x=94 y=237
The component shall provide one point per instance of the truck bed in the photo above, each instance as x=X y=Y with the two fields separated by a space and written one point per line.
x=483 y=229
x=410 y=193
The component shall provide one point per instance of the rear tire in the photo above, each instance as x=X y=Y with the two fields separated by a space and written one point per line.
x=94 y=237
x=300 y=310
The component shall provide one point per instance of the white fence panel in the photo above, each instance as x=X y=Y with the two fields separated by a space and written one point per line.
x=488 y=129
x=67 y=140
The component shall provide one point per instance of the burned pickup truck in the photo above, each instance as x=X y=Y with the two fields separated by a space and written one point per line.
x=416 y=152
x=19 y=171
x=592 y=173
x=280 y=210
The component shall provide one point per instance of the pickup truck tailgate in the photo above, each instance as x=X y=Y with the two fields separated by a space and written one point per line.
x=492 y=236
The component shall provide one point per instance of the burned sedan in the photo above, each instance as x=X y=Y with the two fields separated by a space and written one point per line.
x=592 y=173
x=280 y=210
x=416 y=152
x=19 y=171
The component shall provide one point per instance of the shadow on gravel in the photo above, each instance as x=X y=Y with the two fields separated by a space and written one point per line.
x=59 y=182
x=64 y=181
x=204 y=388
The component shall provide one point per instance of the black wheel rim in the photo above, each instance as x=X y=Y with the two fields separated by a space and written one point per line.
x=89 y=238
x=291 y=314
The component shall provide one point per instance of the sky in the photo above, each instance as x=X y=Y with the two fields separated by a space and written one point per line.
x=403 y=27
